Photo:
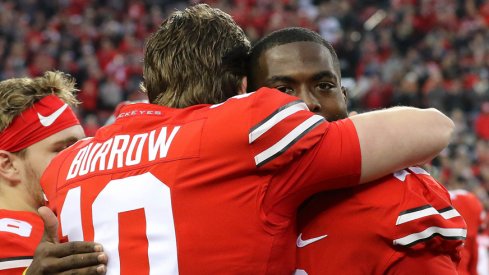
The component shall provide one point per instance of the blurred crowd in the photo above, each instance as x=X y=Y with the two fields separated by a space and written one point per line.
x=425 y=53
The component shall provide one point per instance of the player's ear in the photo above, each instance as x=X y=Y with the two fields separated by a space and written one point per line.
x=8 y=169
x=244 y=86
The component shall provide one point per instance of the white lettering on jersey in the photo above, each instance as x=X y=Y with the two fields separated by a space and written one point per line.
x=88 y=159
x=121 y=151
x=118 y=150
x=71 y=212
x=18 y=227
x=101 y=155
x=161 y=145
x=137 y=143
x=140 y=113
x=76 y=163
x=119 y=196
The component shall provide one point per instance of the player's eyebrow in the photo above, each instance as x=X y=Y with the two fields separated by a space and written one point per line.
x=67 y=140
x=325 y=74
x=279 y=78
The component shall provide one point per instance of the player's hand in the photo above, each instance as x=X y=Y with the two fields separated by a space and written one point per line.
x=52 y=257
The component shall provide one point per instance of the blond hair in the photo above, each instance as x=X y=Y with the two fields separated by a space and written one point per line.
x=19 y=94
x=196 y=56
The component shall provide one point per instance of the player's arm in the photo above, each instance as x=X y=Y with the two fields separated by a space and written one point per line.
x=52 y=257
x=399 y=137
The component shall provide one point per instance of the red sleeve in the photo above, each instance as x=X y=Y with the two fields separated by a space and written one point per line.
x=305 y=153
x=20 y=233
x=334 y=162
x=281 y=129
x=426 y=220
x=322 y=155
x=423 y=262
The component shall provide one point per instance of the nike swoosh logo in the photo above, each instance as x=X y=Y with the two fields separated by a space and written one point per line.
x=48 y=120
x=302 y=243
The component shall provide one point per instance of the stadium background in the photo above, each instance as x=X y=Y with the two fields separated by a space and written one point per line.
x=425 y=53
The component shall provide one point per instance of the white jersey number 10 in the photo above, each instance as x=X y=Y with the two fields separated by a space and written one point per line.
x=132 y=193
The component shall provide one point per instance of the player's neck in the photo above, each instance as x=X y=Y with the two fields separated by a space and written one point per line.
x=16 y=199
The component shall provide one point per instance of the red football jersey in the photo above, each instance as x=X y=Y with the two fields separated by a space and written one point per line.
x=209 y=189
x=371 y=228
x=20 y=233
x=472 y=211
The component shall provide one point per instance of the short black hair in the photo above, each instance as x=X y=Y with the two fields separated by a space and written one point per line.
x=286 y=36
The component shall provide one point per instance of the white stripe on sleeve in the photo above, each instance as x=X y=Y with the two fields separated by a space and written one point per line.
x=450 y=233
x=288 y=140
x=275 y=119
x=407 y=217
x=15 y=263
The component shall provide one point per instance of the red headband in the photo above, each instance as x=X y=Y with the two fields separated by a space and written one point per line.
x=45 y=118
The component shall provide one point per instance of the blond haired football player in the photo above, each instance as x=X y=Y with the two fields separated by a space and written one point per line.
x=36 y=123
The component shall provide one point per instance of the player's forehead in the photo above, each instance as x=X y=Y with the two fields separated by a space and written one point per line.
x=68 y=135
x=296 y=57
